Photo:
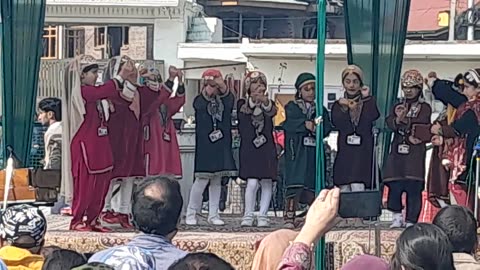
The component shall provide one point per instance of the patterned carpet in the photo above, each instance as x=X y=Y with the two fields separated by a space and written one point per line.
x=231 y=242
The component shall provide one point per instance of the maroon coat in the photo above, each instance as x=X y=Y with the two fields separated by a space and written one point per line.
x=87 y=146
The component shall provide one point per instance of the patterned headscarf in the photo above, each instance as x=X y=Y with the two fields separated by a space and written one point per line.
x=23 y=220
x=253 y=77
x=149 y=65
x=353 y=69
x=129 y=257
x=412 y=78
x=472 y=77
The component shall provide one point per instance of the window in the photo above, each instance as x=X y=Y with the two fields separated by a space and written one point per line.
x=75 y=42
x=99 y=36
x=126 y=35
x=49 y=42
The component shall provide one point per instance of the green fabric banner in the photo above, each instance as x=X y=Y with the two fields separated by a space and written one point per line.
x=376 y=32
x=21 y=29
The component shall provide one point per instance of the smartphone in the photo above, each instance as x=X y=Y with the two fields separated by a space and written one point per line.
x=365 y=204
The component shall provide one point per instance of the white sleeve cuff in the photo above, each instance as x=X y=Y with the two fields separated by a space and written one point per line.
x=129 y=90
x=267 y=107
x=119 y=79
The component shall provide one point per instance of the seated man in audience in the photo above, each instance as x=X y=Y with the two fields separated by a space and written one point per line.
x=156 y=208
x=22 y=230
x=201 y=261
x=459 y=224
x=94 y=266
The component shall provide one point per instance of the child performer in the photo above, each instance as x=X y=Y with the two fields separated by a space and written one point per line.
x=213 y=145
x=91 y=151
x=300 y=145
x=162 y=153
x=258 y=160
x=464 y=132
x=353 y=117
x=405 y=170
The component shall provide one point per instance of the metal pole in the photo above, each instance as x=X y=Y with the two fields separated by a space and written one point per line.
x=320 y=166
x=451 y=24
x=471 y=27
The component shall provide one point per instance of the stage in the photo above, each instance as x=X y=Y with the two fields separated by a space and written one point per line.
x=231 y=242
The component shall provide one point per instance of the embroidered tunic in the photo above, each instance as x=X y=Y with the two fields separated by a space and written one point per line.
x=214 y=158
x=300 y=169
x=257 y=163
x=162 y=153
x=407 y=166
x=353 y=163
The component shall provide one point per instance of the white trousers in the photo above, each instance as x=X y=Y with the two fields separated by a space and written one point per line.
x=196 y=196
x=352 y=188
x=251 y=196
x=122 y=202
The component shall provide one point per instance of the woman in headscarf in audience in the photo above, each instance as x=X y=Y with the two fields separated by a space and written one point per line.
x=422 y=246
x=271 y=249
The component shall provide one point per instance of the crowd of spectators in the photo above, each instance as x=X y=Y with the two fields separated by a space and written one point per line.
x=449 y=243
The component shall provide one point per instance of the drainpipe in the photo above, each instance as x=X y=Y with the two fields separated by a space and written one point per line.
x=471 y=27
x=451 y=24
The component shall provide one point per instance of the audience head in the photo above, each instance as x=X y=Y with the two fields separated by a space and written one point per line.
x=459 y=224
x=50 y=111
x=46 y=251
x=423 y=246
x=201 y=261
x=129 y=257
x=366 y=262
x=63 y=259
x=23 y=226
x=94 y=266
x=156 y=206
x=271 y=249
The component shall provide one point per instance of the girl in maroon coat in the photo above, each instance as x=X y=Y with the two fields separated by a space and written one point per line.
x=91 y=152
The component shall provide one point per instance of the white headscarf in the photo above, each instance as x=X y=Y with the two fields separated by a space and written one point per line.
x=73 y=116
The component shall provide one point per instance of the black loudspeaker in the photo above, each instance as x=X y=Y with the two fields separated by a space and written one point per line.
x=365 y=204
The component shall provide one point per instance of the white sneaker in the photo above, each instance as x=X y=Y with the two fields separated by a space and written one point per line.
x=247 y=221
x=191 y=218
x=191 y=221
x=216 y=221
x=263 y=222
x=397 y=221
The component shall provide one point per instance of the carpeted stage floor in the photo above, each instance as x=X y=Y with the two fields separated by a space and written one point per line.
x=231 y=242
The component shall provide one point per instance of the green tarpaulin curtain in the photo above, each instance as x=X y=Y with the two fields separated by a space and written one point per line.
x=320 y=164
x=376 y=32
x=21 y=29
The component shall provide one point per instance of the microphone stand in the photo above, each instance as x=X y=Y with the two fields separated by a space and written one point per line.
x=376 y=185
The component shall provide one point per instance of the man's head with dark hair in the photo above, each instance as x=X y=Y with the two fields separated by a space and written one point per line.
x=49 y=111
x=459 y=224
x=63 y=259
x=156 y=207
x=201 y=261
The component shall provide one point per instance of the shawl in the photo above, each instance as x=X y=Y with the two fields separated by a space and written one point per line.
x=270 y=251
x=73 y=117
